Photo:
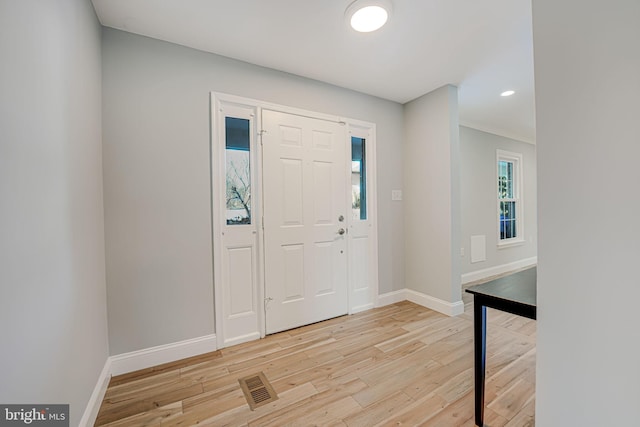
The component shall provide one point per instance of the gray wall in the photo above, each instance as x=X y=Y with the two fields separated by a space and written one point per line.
x=432 y=194
x=478 y=189
x=157 y=179
x=52 y=274
x=587 y=66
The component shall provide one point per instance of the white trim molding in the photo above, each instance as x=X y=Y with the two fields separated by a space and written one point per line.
x=93 y=406
x=436 y=304
x=361 y=308
x=499 y=269
x=391 y=298
x=146 y=358
x=142 y=359
x=241 y=339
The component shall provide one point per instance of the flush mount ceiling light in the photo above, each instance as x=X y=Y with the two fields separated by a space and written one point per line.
x=368 y=15
x=508 y=93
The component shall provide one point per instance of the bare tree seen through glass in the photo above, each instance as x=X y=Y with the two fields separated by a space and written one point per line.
x=238 y=187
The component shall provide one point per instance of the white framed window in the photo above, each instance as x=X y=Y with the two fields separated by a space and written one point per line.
x=238 y=180
x=358 y=178
x=509 y=202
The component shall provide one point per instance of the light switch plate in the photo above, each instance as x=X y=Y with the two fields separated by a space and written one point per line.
x=396 y=194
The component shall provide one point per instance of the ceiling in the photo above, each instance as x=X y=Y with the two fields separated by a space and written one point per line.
x=483 y=47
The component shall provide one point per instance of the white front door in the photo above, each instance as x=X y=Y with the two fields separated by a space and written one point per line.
x=305 y=201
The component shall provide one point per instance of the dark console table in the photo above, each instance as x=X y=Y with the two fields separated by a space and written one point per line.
x=514 y=294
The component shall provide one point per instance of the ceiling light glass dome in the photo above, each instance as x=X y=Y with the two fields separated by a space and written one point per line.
x=368 y=15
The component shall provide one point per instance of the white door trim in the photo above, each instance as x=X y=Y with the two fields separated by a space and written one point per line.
x=218 y=100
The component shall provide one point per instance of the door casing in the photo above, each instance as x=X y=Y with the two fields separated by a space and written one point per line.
x=234 y=328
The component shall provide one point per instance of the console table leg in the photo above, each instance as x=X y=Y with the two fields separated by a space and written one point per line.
x=480 y=356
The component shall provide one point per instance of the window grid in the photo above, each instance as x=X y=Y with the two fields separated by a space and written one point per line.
x=509 y=209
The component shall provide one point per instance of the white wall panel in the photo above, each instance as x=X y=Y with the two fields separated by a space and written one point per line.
x=292 y=199
x=360 y=263
x=293 y=259
x=323 y=253
x=291 y=136
x=241 y=281
x=323 y=192
x=322 y=140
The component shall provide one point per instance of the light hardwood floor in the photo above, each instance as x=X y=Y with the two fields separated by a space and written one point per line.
x=399 y=365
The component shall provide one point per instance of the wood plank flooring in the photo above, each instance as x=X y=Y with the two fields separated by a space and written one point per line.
x=399 y=365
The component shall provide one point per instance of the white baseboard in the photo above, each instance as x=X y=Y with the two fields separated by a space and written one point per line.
x=241 y=339
x=499 y=269
x=361 y=308
x=442 y=306
x=391 y=298
x=136 y=360
x=93 y=406
x=141 y=359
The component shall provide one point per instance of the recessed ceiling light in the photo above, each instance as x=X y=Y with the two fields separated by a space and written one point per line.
x=508 y=93
x=368 y=15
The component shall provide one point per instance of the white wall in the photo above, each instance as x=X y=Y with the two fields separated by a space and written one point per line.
x=587 y=66
x=53 y=331
x=157 y=179
x=479 y=192
x=432 y=195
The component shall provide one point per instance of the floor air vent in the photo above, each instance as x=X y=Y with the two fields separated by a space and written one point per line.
x=257 y=390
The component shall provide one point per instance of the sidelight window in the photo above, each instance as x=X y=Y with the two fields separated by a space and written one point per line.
x=358 y=178
x=238 y=170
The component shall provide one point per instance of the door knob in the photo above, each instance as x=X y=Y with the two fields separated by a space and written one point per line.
x=341 y=231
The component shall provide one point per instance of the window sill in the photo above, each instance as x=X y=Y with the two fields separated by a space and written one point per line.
x=511 y=243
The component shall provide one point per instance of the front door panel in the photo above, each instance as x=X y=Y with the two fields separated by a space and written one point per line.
x=304 y=198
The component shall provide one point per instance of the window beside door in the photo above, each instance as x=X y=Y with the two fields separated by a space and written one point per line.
x=238 y=170
x=358 y=179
